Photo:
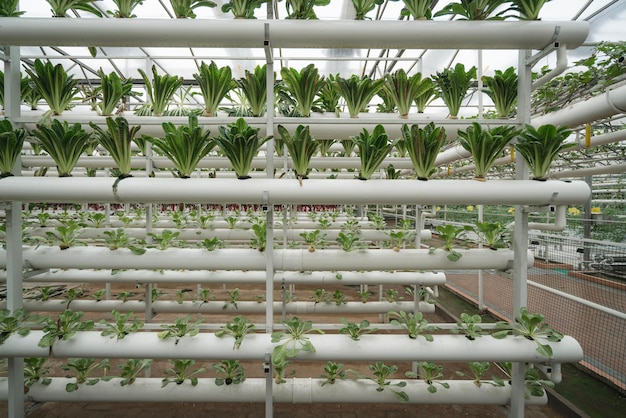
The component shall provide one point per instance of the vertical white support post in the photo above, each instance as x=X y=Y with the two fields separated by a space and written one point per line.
x=14 y=233
x=269 y=264
x=520 y=236
x=269 y=113
x=481 y=301
x=480 y=82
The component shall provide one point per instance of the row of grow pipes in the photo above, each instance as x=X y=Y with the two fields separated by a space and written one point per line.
x=279 y=34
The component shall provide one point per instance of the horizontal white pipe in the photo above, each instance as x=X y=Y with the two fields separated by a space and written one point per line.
x=293 y=390
x=320 y=278
x=243 y=33
x=216 y=307
x=314 y=192
x=251 y=259
x=591 y=171
x=593 y=305
x=604 y=105
x=335 y=347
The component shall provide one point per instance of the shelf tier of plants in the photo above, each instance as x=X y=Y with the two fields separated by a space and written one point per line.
x=328 y=347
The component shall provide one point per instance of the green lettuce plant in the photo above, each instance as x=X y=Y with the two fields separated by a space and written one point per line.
x=333 y=372
x=116 y=139
x=313 y=239
x=160 y=90
x=478 y=370
x=215 y=83
x=81 y=369
x=66 y=236
x=36 y=371
x=428 y=94
x=363 y=7
x=122 y=325
x=401 y=238
x=11 y=142
x=413 y=323
x=118 y=238
x=382 y=373
x=469 y=325
x=114 y=91
x=354 y=330
x=180 y=328
x=185 y=8
x=373 y=149
x=403 y=89
x=423 y=146
x=131 y=369
x=56 y=87
x=301 y=146
x=453 y=85
x=59 y=8
x=254 y=88
x=328 y=95
x=231 y=370
x=294 y=339
x=357 y=92
x=534 y=384
x=240 y=143
x=124 y=8
x=540 y=146
x=528 y=9
x=303 y=9
x=29 y=93
x=180 y=371
x=502 y=90
x=417 y=9
x=474 y=9
x=493 y=234
x=239 y=328
x=9 y=8
x=301 y=87
x=532 y=327
x=184 y=145
x=485 y=145
x=430 y=372
x=64 y=143
x=15 y=322
x=242 y=9
x=450 y=234
x=63 y=328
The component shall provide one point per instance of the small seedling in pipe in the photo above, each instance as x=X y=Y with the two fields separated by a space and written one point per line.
x=239 y=328
x=232 y=372
x=131 y=369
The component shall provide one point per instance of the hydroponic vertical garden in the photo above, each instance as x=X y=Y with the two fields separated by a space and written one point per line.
x=240 y=218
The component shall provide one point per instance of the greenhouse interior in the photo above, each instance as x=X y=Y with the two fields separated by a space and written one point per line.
x=428 y=219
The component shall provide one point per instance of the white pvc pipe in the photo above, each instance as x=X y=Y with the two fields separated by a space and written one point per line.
x=561 y=65
x=335 y=347
x=314 y=192
x=591 y=171
x=320 y=278
x=218 y=307
x=243 y=33
x=250 y=259
x=604 y=105
x=293 y=390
